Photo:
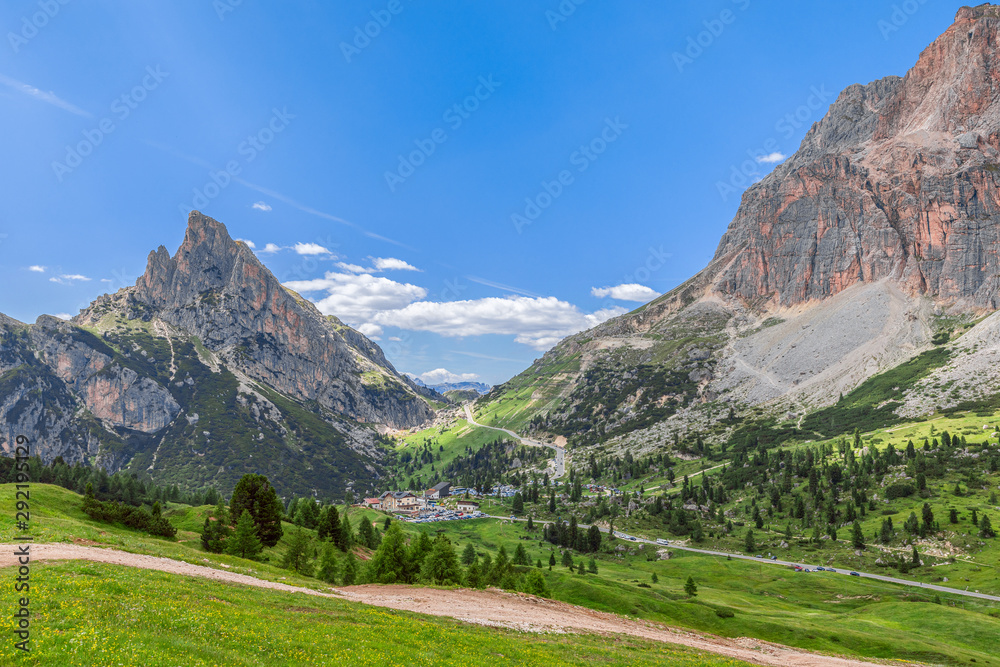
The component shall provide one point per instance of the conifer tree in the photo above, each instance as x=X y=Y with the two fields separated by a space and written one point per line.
x=328 y=568
x=690 y=587
x=350 y=575
x=297 y=556
x=244 y=541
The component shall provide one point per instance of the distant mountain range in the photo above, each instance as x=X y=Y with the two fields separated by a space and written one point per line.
x=206 y=369
x=444 y=388
x=875 y=245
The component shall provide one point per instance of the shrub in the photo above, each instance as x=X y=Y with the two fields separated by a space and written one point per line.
x=131 y=517
x=723 y=612
x=902 y=490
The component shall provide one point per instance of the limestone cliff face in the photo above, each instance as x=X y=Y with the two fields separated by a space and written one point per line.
x=899 y=181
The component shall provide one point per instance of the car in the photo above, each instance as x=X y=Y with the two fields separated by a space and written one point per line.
x=807 y=570
x=820 y=569
x=774 y=558
x=759 y=556
x=512 y=516
x=830 y=569
x=662 y=541
x=632 y=538
x=855 y=574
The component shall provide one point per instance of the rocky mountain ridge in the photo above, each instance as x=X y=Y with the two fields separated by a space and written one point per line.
x=875 y=241
x=206 y=368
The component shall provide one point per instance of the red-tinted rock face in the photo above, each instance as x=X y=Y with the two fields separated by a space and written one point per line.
x=899 y=181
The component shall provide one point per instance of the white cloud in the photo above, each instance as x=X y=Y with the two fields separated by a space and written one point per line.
x=628 y=292
x=310 y=249
x=249 y=244
x=63 y=316
x=262 y=206
x=444 y=376
x=393 y=264
x=37 y=269
x=771 y=158
x=42 y=96
x=395 y=339
x=357 y=298
x=69 y=279
x=538 y=322
x=271 y=248
x=353 y=268
x=373 y=331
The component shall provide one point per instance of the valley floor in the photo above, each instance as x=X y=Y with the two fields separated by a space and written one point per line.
x=489 y=608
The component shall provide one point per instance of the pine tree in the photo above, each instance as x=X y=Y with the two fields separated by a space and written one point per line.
x=534 y=584
x=567 y=559
x=389 y=563
x=530 y=526
x=345 y=540
x=441 y=564
x=254 y=494
x=915 y=558
x=655 y=578
x=748 y=545
x=244 y=541
x=468 y=554
x=690 y=587
x=592 y=565
x=552 y=559
x=350 y=570
x=297 y=556
x=521 y=556
x=986 y=528
x=857 y=537
x=329 y=525
x=366 y=537
x=328 y=569
x=474 y=575
x=518 y=503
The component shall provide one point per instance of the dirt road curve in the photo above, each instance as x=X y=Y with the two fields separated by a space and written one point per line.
x=491 y=608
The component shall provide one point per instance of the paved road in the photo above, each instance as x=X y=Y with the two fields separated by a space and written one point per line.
x=560 y=460
x=785 y=563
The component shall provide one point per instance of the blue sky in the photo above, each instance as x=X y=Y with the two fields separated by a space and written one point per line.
x=470 y=184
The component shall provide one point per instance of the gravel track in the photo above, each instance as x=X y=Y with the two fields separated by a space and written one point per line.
x=491 y=607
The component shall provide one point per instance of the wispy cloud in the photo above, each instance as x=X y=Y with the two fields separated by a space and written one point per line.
x=249 y=244
x=501 y=286
x=36 y=268
x=69 y=279
x=42 y=96
x=271 y=247
x=261 y=206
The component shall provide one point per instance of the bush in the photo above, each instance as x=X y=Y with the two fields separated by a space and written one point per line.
x=723 y=612
x=131 y=517
x=894 y=491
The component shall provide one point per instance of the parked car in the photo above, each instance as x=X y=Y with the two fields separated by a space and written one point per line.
x=855 y=574
x=774 y=558
x=662 y=541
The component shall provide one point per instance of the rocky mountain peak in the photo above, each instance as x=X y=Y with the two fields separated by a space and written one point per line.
x=898 y=181
x=208 y=259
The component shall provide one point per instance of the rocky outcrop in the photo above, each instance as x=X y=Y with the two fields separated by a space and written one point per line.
x=898 y=181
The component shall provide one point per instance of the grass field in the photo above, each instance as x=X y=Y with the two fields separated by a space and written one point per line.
x=95 y=614
x=444 y=443
x=830 y=614
x=816 y=611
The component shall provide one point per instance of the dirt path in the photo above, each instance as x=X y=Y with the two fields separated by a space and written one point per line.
x=490 y=607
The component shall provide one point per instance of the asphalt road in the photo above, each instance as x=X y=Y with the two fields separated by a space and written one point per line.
x=560 y=458
x=785 y=563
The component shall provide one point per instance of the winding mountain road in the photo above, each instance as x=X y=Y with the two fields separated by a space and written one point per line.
x=560 y=458
x=786 y=563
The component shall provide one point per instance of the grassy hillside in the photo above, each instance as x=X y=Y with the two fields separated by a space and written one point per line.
x=817 y=611
x=96 y=614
